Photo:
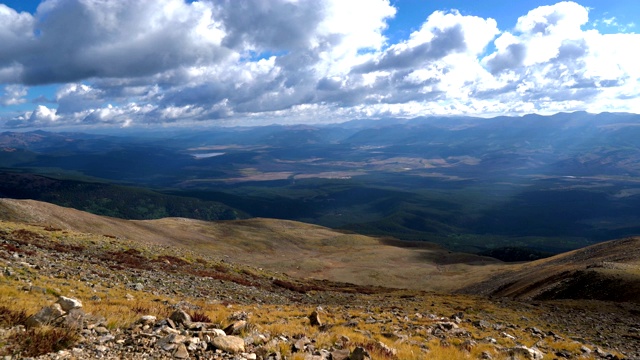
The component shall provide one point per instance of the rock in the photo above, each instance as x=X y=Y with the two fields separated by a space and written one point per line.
x=563 y=354
x=137 y=286
x=468 y=345
x=528 y=353
x=101 y=330
x=45 y=316
x=359 y=353
x=181 y=317
x=230 y=344
x=300 y=344
x=106 y=338
x=75 y=318
x=239 y=315
x=340 y=354
x=387 y=349
x=147 y=320
x=181 y=352
x=68 y=303
x=218 y=332
x=482 y=324
x=446 y=325
x=235 y=328
x=486 y=356
x=314 y=319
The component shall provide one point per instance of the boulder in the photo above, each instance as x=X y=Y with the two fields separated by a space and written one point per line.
x=181 y=352
x=45 y=316
x=230 y=344
x=340 y=354
x=314 y=319
x=181 y=317
x=527 y=353
x=359 y=353
x=147 y=320
x=235 y=328
x=68 y=304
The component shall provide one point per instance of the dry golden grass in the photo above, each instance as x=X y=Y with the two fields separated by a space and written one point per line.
x=298 y=249
x=274 y=319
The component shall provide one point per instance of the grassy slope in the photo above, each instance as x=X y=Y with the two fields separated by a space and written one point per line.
x=274 y=319
x=605 y=271
x=299 y=249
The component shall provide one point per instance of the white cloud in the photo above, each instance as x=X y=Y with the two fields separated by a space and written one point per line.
x=13 y=95
x=152 y=61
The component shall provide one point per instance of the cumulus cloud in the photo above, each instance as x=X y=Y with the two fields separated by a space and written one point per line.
x=153 y=61
x=13 y=95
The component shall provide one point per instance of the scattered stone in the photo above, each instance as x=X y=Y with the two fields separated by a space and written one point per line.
x=230 y=344
x=528 y=353
x=181 y=352
x=235 y=328
x=486 y=356
x=137 y=286
x=482 y=324
x=68 y=303
x=468 y=345
x=359 y=353
x=314 y=319
x=342 y=354
x=387 y=349
x=147 y=320
x=101 y=330
x=181 y=317
x=46 y=316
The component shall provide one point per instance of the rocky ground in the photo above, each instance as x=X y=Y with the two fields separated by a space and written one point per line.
x=109 y=298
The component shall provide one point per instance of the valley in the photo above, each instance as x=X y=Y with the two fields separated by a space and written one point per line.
x=277 y=272
x=544 y=185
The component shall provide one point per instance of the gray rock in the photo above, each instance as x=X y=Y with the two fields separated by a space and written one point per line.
x=181 y=317
x=235 y=328
x=147 y=320
x=486 y=356
x=46 y=315
x=75 y=319
x=314 y=319
x=68 y=303
x=340 y=354
x=181 y=352
x=137 y=286
x=446 y=325
x=101 y=330
x=300 y=344
x=359 y=353
x=230 y=344
x=527 y=353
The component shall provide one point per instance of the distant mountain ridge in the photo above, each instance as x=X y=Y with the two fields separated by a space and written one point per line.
x=543 y=184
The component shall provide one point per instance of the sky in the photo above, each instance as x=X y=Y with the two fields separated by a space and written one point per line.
x=122 y=63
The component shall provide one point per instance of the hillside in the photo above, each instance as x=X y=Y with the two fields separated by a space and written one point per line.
x=605 y=271
x=132 y=291
x=298 y=249
x=532 y=185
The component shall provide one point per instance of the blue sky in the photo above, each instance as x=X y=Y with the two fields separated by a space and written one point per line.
x=123 y=63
